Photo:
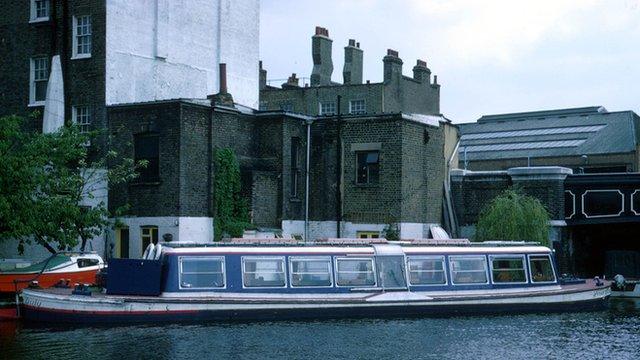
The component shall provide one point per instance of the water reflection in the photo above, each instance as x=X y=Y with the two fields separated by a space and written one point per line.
x=612 y=333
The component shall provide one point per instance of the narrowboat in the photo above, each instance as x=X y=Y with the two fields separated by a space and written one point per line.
x=248 y=279
x=69 y=267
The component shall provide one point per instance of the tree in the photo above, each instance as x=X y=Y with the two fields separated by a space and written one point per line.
x=512 y=216
x=231 y=210
x=47 y=182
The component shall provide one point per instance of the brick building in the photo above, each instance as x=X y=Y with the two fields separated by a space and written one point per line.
x=396 y=93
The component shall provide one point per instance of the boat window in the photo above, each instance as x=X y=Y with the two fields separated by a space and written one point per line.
x=201 y=272
x=508 y=269
x=84 y=262
x=541 y=269
x=427 y=270
x=468 y=269
x=310 y=272
x=355 y=272
x=263 y=272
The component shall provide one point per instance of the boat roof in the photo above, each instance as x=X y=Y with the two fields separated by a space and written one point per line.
x=352 y=246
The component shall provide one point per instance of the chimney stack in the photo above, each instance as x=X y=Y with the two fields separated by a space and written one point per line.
x=392 y=66
x=222 y=97
x=321 y=52
x=263 y=77
x=223 y=78
x=421 y=72
x=292 y=82
x=352 y=71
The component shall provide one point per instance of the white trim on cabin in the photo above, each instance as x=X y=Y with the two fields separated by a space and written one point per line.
x=360 y=250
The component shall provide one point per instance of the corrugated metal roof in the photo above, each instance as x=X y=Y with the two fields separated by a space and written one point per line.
x=589 y=131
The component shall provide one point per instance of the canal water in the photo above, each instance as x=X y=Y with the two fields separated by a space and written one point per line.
x=614 y=333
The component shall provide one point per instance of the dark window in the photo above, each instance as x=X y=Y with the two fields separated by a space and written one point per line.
x=368 y=167
x=147 y=147
x=295 y=166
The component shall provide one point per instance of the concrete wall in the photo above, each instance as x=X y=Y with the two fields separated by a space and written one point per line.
x=162 y=49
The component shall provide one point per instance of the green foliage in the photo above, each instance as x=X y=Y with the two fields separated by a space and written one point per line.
x=46 y=178
x=391 y=232
x=232 y=211
x=512 y=216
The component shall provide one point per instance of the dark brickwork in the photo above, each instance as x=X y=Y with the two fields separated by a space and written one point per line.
x=84 y=79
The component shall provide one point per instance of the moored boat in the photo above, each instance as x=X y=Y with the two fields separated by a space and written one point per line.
x=326 y=279
x=71 y=267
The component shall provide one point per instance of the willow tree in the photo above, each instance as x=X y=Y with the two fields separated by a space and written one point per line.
x=231 y=210
x=513 y=216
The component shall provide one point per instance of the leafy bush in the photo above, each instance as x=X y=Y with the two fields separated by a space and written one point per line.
x=232 y=211
x=512 y=216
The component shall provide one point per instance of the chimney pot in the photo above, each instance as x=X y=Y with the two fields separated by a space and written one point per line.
x=421 y=63
x=352 y=42
x=393 y=53
x=358 y=45
x=223 y=78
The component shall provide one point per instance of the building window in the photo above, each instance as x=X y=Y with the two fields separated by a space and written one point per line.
x=82 y=118
x=357 y=107
x=286 y=106
x=263 y=272
x=201 y=272
x=355 y=272
x=264 y=106
x=327 y=108
x=149 y=235
x=81 y=37
x=39 y=79
x=310 y=272
x=367 y=234
x=40 y=10
x=147 y=147
x=295 y=166
x=368 y=167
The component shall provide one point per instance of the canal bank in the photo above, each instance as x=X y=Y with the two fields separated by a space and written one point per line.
x=613 y=333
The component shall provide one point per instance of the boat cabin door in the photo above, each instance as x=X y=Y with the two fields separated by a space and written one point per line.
x=390 y=266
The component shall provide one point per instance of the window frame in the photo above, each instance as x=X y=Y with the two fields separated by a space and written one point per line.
x=295 y=147
x=321 y=104
x=75 y=54
x=373 y=269
x=311 y=258
x=143 y=236
x=198 y=258
x=553 y=269
x=358 y=112
x=368 y=233
x=144 y=178
x=357 y=182
x=75 y=113
x=33 y=11
x=254 y=257
x=32 y=79
x=509 y=256
x=486 y=269
x=427 y=257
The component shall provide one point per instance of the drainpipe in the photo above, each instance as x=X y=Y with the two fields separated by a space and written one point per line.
x=306 y=188
x=339 y=171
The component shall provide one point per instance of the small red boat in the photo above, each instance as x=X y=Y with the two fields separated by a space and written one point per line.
x=73 y=267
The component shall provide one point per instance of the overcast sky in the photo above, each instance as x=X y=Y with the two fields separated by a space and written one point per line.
x=491 y=57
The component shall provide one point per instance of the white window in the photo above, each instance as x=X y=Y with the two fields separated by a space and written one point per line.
x=427 y=270
x=82 y=118
x=263 y=272
x=468 y=269
x=355 y=272
x=39 y=76
x=328 y=108
x=81 y=37
x=201 y=272
x=508 y=269
x=40 y=10
x=541 y=269
x=357 y=107
x=310 y=272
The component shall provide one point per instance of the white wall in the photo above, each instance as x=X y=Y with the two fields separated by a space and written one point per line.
x=327 y=229
x=167 y=49
x=194 y=229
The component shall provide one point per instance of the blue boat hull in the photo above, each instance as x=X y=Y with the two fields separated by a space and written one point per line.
x=34 y=314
